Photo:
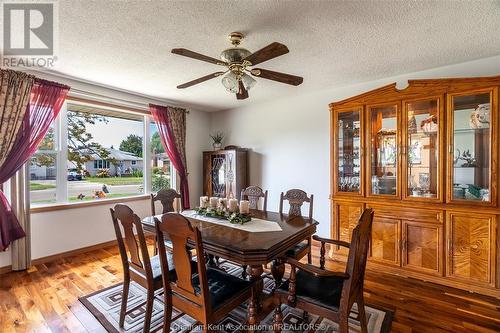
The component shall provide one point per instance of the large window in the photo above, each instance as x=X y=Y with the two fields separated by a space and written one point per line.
x=43 y=168
x=94 y=153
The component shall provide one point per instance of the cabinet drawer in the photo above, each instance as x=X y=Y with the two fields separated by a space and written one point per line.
x=409 y=214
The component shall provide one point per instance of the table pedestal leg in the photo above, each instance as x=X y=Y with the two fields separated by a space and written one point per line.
x=254 y=305
x=278 y=270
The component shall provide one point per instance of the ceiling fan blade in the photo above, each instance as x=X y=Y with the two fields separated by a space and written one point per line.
x=277 y=76
x=271 y=51
x=242 y=92
x=198 y=56
x=200 y=80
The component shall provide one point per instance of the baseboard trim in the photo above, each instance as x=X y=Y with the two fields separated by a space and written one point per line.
x=44 y=260
x=5 y=269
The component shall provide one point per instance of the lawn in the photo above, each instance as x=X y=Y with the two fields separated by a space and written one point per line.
x=116 y=180
x=38 y=186
x=108 y=196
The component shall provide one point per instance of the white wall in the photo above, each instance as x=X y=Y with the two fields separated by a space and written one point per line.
x=289 y=137
x=65 y=230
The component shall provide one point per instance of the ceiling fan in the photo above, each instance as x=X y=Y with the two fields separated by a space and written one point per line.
x=238 y=60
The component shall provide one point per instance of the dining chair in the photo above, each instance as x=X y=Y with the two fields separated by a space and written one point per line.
x=138 y=266
x=207 y=295
x=327 y=293
x=253 y=194
x=166 y=197
x=296 y=198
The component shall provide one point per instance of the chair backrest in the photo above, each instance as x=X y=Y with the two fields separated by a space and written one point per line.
x=253 y=194
x=166 y=196
x=296 y=199
x=132 y=241
x=358 y=254
x=180 y=231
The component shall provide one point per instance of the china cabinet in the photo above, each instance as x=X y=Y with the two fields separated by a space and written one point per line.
x=425 y=159
x=225 y=172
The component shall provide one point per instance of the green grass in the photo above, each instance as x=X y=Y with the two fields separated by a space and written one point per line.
x=108 y=196
x=116 y=180
x=38 y=186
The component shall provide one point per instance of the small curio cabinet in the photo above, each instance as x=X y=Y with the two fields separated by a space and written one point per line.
x=225 y=172
x=425 y=159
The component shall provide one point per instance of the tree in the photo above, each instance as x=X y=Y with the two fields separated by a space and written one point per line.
x=156 y=145
x=132 y=144
x=81 y=147
x=47 y=160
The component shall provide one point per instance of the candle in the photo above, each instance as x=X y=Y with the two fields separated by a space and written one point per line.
x=203 y=202
x=222 y=203
x=244 y=207
x=232 y=205
x=213 y=202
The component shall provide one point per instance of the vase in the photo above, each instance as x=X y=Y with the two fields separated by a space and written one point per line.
x=217 y=145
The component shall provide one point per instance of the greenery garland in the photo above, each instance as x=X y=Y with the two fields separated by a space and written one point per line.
x=235 y=218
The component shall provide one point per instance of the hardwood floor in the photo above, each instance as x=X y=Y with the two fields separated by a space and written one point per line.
x=45 y=298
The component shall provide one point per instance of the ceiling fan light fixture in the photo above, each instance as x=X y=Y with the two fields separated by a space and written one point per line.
x=230 y=82
x=248 y=81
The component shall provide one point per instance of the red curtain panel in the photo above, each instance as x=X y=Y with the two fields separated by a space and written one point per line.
x=164 y=124
x=45 y=103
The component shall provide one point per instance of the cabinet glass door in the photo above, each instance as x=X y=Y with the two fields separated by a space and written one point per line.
x=383 y=138
x=218 y=175
x=348 y=151
x=471 y=129
x=422 y=138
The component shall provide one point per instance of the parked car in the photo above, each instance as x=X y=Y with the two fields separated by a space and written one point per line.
x=73 y=174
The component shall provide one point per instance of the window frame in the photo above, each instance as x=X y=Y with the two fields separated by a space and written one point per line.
x=61 y=151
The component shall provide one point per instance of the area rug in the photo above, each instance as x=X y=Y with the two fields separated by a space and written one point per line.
x=105 y=306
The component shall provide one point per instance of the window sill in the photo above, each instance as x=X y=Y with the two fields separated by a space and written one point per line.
x=75 y=205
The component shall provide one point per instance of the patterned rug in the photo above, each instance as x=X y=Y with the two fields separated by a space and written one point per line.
x=105 y=306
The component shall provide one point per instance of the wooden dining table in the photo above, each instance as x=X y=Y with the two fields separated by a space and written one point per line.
x=253 y=249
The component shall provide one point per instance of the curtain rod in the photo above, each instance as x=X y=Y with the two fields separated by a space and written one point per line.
x=75 y=92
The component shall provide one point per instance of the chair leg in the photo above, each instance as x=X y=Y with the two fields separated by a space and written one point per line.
x=123 y=310
x=305 y=317
x=278 y=319
x=344 y=323
x=277 y=270
x=362 y=314
x=244 y=272
x=309 y=257
x=167 y=317
x=149 y=309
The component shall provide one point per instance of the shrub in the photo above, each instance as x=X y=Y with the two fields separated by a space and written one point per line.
x=137 y=173
x=103 y=173
x=159 y=181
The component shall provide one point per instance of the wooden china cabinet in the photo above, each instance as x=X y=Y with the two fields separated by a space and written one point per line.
x=225 y=172
x=425 y=158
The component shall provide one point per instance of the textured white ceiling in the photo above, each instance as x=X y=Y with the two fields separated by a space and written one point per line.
x=126 y=44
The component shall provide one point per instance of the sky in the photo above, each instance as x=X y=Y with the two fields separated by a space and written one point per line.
x=115 y=131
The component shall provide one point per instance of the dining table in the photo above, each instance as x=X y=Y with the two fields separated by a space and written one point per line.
x=265 y=239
